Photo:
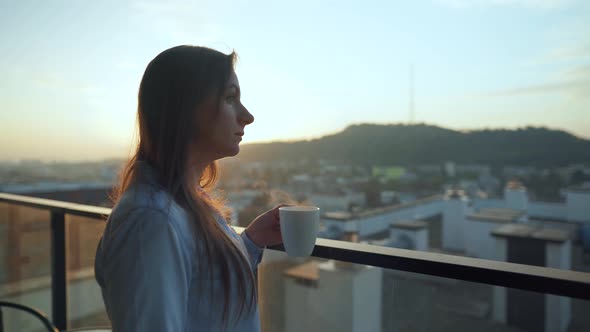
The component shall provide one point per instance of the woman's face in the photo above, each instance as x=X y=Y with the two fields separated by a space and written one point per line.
x=222 y=123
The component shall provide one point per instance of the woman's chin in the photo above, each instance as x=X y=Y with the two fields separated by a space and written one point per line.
x=228 y=151
x=234 y=151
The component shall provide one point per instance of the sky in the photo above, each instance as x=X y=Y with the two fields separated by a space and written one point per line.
x=70 y=70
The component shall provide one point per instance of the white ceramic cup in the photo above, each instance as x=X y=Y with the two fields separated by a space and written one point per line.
x=299 y=229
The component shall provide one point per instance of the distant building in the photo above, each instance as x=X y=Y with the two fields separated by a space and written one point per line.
x=515 y=196
x=435 y=169
x=511 y=229
x=342 y=201
x=388 y=172
x=449 y=168
x=329 y=296
x=518 y=171
x=302 y=184
x=411 y=234
x=578 y=204
x=376 y=222
x=473 y=168
x=480 y=225
x=532 y=245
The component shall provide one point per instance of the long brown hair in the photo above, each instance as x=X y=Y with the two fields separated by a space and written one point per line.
x=174 y=86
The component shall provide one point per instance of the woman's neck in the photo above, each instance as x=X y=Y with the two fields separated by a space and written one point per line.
x=195 y=168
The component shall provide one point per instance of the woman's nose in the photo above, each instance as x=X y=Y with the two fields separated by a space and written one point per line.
x=246 y=117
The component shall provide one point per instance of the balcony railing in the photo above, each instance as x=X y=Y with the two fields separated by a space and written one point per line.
x=516 y=276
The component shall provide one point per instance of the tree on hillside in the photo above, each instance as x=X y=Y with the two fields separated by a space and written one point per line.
x=424 y=144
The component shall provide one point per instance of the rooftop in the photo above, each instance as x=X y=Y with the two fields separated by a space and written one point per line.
x=531 y=232
x=455 y=194
x=498 y=215
x=347 y=216
x=515 y=185
x=585 y=188
x=409 y=224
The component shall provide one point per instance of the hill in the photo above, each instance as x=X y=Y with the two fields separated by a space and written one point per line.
x=399 y=144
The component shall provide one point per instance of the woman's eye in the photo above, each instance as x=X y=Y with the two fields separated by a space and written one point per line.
x=230 y=99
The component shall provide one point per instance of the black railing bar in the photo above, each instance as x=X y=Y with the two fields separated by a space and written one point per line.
x=59 y=290
x=57 y=206
x=526 y=277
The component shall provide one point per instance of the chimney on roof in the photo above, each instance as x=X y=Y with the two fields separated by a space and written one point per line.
x=515 y=196
x=456 y=206
x=577 y=200
x=350 y=236
x=411 y=234
x=550 y=247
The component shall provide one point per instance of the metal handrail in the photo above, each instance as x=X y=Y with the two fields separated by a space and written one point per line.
x=526 y=277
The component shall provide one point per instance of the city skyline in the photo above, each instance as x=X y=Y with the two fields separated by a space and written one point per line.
x=71 y=70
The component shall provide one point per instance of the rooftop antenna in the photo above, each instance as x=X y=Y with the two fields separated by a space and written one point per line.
x=412 y=113
x=412 y=110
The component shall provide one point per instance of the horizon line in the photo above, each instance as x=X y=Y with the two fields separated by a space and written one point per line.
x=310 y=138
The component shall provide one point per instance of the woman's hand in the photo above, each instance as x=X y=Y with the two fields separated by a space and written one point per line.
x=265 y=230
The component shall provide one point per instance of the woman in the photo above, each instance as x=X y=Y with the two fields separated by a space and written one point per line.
x=168 y=260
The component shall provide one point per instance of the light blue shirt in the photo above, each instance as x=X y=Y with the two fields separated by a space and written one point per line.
x=147 y=265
